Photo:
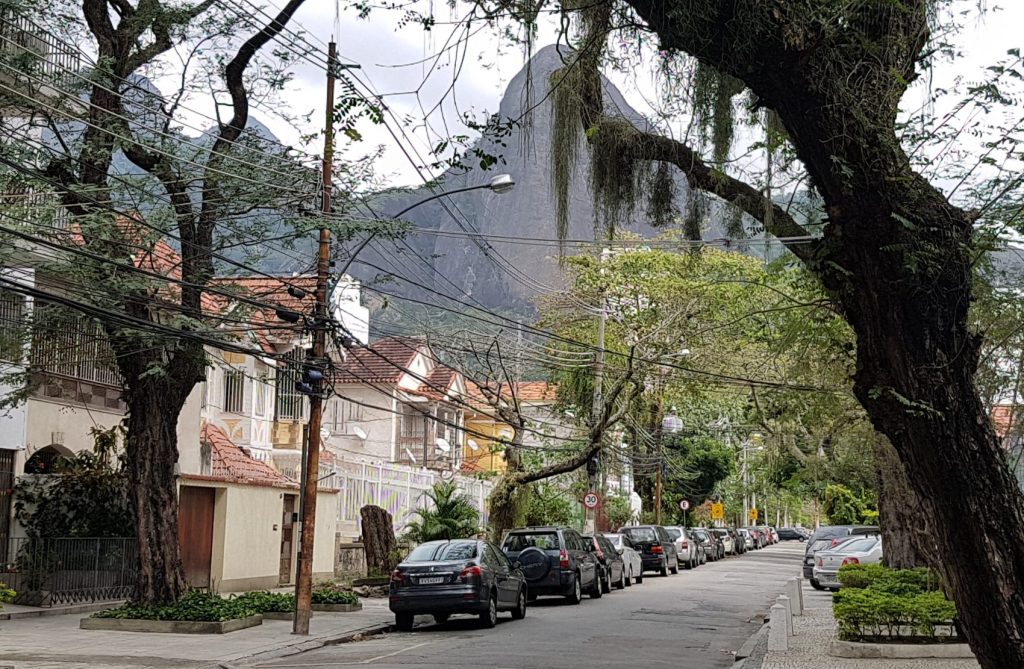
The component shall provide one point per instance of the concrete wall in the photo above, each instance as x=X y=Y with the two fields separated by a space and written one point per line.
x=378 y=423
x=50 y=422
x=247 y=536
x=349 y=559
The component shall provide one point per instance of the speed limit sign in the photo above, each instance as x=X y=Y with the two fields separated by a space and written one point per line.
x=591 y=500
x=684 y=505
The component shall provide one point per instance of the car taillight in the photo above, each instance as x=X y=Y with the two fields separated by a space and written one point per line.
x=599 y=553
x=657 y=549
x=851 y=560
x=471 y=573
x=397 y=577
x=563 y=559
x=821 y=562
x=686 y=545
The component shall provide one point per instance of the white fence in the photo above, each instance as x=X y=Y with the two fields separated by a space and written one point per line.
x=397 y=488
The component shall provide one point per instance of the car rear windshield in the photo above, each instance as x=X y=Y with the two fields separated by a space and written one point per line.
x=520 y=541
x=858 y=545
x=641 y=533
x=436 y=551
x=673 y=533
x=616 y=539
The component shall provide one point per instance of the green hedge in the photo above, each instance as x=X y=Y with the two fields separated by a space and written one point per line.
x=269 y=602
x=329 y=593
x=878 y=603
x=196 y=606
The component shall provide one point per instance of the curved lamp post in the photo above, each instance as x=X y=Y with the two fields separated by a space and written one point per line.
x=500 y=184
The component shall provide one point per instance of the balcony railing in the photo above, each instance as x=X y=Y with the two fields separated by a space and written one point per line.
x=69 y=570
x=32 y=51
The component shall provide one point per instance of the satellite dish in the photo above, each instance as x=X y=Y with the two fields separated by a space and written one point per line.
x=473 y=445
x=411 y=456
x=359 y=432
x=325 y=434
x=443 y=444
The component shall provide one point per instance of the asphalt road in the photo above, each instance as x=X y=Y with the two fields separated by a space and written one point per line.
x=694 y=620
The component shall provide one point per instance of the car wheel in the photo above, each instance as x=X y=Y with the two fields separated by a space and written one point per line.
x=640 y=577
x=441 y=618
x=816 y=585
x=519 y=612
x=598 y=588
x=489 y=618
x=664 y=569
x=623 y=579
x=575 y=595
x=403 y=622
x=606 y=583
x=629 y=577
x=675 y=568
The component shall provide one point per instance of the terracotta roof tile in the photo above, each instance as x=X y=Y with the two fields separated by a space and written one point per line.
x=230 y=463
x=1006 y=417
x=383 y=361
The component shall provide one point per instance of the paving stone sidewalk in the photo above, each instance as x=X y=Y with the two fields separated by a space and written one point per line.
x=816 y=629
x=56 y=642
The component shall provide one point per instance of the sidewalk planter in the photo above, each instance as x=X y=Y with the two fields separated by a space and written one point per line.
x=170 y=626
x=899 y=651
x=337 y=608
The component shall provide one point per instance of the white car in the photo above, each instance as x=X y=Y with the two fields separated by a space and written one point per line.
x=748 y=538
x=631 y=561
x=867 y=550
x=686 y=546
x=727 y=543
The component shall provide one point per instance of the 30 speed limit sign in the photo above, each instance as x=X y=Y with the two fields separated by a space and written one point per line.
x=591 y=500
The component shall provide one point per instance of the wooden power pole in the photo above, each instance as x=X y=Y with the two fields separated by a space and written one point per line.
x=311 y=463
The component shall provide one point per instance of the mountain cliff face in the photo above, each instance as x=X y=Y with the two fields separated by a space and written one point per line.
x=494 y=272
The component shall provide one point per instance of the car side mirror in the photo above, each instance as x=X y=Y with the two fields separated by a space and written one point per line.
x=620 y=551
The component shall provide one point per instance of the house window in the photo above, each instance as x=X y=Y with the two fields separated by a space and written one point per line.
x=234 y=390
x=290 y=404
x=260 y=392
x=12 y=317
x=72 y=345
x=353 y=411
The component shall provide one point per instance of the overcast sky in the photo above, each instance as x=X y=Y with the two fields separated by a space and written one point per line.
x=399 y=61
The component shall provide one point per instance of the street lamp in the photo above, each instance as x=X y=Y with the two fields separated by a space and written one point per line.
x=500 y=184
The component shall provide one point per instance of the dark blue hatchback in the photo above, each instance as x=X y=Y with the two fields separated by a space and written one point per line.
x=442 y=578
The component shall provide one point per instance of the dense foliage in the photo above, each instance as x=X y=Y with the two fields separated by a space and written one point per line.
x=882 y=604
x=196 y=606
x=448 y=515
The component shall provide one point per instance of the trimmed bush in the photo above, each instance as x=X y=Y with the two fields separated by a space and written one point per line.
x=196 y=606
x=882 y=604
x=268 y=602
x=329 y=593
x=6 y=595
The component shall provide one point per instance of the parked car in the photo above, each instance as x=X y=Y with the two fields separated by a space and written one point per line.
x=687 y=549
x=758 y=537
x=634 y=565
x=657 y=550
x=442 y=578
x=826 y=537
x=791 y=534
x=749 y=543
x=860 y=550
x=728 y=542
x=555 y=561
x=613 y=571
x=773 y=537
x=739 y=542
x=712 y=546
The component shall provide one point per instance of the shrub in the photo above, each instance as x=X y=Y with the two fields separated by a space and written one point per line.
x=269 y=602
x=195 y=606
x=6 y=595
x=878 y=603
x=329 y=593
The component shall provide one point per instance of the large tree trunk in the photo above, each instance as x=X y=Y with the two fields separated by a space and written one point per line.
x=906 y=529
x=152 y=451
x=897 y=257
x=379 y=542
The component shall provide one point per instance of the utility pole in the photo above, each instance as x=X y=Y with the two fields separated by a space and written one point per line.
x=304 y=578
x=596 y=409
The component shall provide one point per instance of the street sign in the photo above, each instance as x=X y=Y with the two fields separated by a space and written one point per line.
x=718 y=511
x=591 y=500
x=684 y=505
x=753 y=515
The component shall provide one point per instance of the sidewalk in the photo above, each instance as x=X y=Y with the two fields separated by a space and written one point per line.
x=56 y=642
x=816 y=629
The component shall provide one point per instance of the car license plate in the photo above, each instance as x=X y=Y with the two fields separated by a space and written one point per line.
x=431 y=580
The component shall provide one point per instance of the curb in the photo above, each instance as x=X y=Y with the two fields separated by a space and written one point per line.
x=302 y=646
x=747 y=649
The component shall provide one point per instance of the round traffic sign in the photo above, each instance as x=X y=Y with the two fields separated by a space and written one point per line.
x=684 y=505
x=591 y=500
